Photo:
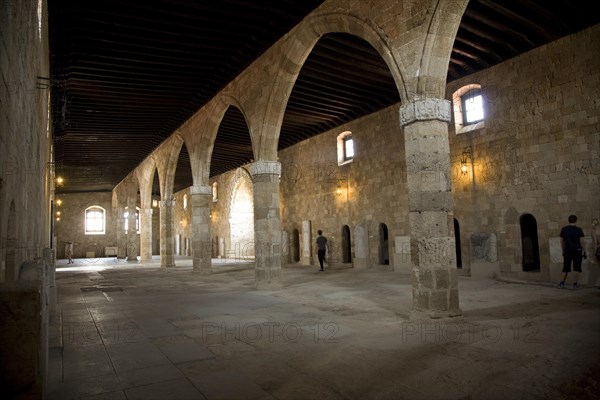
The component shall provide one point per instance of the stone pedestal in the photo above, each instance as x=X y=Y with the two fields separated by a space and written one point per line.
x=361 y=247
x=146 y=234
x=433 y=255
x=167 y=236
x=201 y=198
x=267 y=223
x=306 y=255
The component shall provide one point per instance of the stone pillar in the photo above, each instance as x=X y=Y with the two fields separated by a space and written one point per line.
x=267 y=223
x=431 y=205
x=132 y=238
x=50 y=260
x=121 y=237
x=146 y=234
x=167 y=234
x=201 y=197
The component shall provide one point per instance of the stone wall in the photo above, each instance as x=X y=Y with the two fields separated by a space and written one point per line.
x=25 y=140
x=372 y=188
x=538 y=154
x=71 y=226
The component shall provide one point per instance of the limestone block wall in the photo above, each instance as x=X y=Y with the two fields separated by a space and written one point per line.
x=371 y=187
x=25 y=137
x=183 y=223
x=538 y=154
x=71 y=226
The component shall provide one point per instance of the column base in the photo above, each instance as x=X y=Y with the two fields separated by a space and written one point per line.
x=438 y=315
x=168 y=266
x=202 y=271
x=273 y=285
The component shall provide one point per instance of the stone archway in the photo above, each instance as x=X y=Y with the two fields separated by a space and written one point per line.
x=346 y=245
x=458 y=245
x=295 y=245
x=384 y=245
x=529 y=243
x=241 y=217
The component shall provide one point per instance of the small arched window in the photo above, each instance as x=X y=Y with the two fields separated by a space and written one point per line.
x=185 y=201
x=215 y=194
x=95 y=220
x=345 y=148
x=469 y=108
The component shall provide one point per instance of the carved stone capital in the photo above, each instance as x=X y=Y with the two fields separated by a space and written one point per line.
x=425 y=110
x=207 y=190
x=166 y=203
x=265 y=168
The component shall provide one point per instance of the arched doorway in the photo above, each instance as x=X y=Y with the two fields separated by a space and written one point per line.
x=458 y=245
x=346 y=245
x=241 y=219
x=529 y=243
x=384 y=252
x=295 y=246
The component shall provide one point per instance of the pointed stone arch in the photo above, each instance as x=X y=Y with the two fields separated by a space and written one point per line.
x=241 y=218
x=295 y=54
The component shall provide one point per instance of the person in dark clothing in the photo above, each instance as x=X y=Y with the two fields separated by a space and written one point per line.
x=321 y=248
x=572 y=249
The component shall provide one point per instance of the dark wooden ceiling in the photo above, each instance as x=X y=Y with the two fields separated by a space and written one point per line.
x=126 y=74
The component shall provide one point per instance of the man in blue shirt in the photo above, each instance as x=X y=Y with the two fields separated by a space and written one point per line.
x=572 y=248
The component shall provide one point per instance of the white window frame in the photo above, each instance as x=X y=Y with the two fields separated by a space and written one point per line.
x=86 y=220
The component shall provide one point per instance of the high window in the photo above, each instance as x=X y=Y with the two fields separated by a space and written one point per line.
x=472 y=106
x=469 y=108
x=345 y=148
x=95 y=218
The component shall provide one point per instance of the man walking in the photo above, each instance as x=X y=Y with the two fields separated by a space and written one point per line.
x=572 y=249
x=321 y=248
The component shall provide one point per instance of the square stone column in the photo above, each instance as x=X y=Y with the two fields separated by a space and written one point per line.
x=267 y=223
x=167 y=237
x=431 y=208
x=121 y=237
x=132 y=246
x=146 y=234
x=201 y=197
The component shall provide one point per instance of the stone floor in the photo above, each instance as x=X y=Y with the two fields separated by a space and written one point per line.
x=135 y=331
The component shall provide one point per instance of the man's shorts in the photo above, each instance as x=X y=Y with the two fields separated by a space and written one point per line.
x=575 y=257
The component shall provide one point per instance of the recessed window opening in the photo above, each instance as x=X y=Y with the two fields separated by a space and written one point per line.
x=469 y=108
x=94 y=220
x=472 y=105
x=348 y=148
x=345 y=148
